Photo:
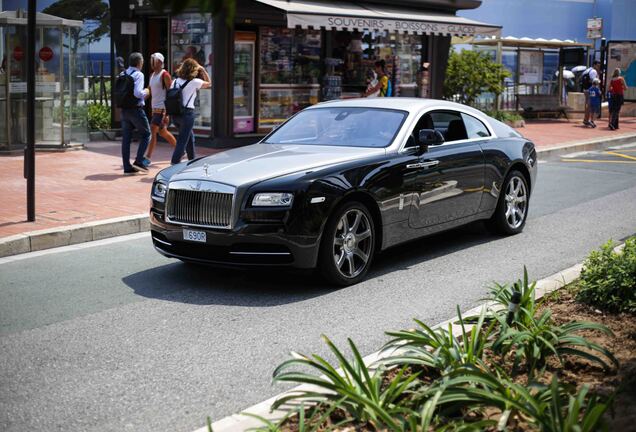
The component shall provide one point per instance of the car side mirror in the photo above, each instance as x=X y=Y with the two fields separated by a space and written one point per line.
x=428 y=137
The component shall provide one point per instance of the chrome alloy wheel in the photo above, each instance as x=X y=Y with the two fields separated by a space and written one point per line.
x=352 y=243
x=516 y=202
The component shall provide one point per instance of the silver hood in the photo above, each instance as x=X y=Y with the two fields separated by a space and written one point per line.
x=258 y=162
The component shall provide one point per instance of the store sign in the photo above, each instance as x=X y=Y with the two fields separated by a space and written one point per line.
x=46 y=54
x=595 y=28
x=128 y=28
x=18 y=54
x=390 y=25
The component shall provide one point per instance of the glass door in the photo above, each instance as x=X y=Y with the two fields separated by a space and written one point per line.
x=244 y=53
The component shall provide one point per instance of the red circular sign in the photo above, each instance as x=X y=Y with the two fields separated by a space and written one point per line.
x=18 y=54
x=46 y=54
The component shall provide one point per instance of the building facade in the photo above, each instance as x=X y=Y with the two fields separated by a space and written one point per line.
x=280 y=56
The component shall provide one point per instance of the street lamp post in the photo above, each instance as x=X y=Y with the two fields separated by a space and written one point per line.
x=29 y=157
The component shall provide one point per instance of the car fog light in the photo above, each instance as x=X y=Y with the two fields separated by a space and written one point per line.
x=272 y=199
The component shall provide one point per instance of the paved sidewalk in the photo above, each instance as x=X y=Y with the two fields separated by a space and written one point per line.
x=86 y=186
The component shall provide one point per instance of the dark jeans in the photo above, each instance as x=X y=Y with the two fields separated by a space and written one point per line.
x=615 y=103
x=185 y=140
x=134 y=118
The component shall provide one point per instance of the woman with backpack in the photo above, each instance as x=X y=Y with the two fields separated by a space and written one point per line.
x=160 y=81
x=617 y=87
x=190 y=78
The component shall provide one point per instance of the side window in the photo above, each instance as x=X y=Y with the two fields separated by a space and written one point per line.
x=474 y=128
x=424 y=122
x=450 y=124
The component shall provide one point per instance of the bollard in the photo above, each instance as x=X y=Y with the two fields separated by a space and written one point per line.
x=513 y=306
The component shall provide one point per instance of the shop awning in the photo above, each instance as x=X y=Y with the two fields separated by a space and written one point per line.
x=349 y=16
x=41 y=19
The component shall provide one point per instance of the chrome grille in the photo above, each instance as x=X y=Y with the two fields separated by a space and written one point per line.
x=200 y=208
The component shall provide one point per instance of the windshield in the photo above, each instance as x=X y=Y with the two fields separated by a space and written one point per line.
x=340 y=126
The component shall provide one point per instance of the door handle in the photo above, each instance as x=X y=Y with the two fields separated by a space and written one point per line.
x=426 y=164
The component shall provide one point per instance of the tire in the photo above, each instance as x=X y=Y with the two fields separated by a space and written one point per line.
x=345 y=245
x=512 y=207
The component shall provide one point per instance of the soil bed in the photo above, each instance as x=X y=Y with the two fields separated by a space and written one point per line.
x=574 y=370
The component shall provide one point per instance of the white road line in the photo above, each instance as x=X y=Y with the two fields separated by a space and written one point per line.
x=74 y=247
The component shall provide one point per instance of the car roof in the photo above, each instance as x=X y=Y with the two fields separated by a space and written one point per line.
x=410 y=104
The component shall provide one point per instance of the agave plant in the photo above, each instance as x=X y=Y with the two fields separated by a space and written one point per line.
x=502 y=296
x=438 y=349
x=356 y=390
x=306 y=420
x=534 y=340
x=549 y=408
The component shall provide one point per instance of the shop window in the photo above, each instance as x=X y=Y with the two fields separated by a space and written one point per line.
x=290 y=70
x=192 y=38
x=358 y=52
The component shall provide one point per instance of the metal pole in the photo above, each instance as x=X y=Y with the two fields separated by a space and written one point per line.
x=30 y=153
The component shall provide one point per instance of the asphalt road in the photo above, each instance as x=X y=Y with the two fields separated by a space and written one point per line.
x=111 y=336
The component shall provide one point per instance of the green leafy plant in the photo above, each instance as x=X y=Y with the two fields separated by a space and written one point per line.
x=438 y=349
x=98 y=117
x=308 y=420
x=471 y=73
x=357 y=390
x=608 y=278
x=501 y=296
x=504 y=116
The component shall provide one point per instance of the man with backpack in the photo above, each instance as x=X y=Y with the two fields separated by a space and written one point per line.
x=130 y=95
x=587 y=79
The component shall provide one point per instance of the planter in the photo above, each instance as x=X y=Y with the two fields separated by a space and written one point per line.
x=103 y=135
x=515 y=123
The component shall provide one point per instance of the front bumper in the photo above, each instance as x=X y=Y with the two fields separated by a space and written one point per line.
x=247 y=244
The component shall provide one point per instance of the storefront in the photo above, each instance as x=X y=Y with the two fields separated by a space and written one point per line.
x=287 y=55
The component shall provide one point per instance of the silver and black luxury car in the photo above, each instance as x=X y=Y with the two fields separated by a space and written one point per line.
x=341 y=181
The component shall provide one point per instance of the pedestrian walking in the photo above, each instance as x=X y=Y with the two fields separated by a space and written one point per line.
x=130 y=96
x=190 y=78
x=595 y=101
x=160 y=82
x=617 y=89
x=587 y=79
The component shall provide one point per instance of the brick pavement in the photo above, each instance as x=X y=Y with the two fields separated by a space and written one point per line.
x=87 y=185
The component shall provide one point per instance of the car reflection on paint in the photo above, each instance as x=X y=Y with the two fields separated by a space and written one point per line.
x=341 y=181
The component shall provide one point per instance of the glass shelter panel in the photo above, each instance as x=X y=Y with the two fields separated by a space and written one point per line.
x=192 y=38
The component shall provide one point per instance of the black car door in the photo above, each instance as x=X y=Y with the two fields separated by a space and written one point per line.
x=450 y=176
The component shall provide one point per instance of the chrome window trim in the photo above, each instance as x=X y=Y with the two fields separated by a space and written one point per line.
x=493 y=135
x=201 y=186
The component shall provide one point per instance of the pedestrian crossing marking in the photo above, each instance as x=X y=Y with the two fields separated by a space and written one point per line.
x=599 y=161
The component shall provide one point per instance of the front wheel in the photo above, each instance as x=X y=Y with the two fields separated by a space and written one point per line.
x=348 y=244
x=512 y=207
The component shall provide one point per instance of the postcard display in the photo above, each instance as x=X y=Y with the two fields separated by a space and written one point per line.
x=289 y=73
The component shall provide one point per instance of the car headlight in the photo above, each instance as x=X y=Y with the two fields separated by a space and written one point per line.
x=272 y=199
x=159 y=190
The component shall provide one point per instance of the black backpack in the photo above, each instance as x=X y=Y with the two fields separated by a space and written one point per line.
x=174 y=99
x=586 y=81
x=124 y=92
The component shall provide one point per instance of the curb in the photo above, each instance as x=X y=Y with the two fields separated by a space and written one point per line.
x=98 y=230
x=240 y=423
x=588 y=145
x=73 y=234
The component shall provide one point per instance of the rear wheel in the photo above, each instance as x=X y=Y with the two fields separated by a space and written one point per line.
x=348 y=244
x=512 y=206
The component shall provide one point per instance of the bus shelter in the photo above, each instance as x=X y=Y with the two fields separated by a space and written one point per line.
x=61 y=116
x=533 y=58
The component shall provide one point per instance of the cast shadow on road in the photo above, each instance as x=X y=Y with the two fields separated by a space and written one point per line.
x=259 y=287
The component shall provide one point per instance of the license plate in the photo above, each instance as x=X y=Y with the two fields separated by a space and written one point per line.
x=195 y=236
